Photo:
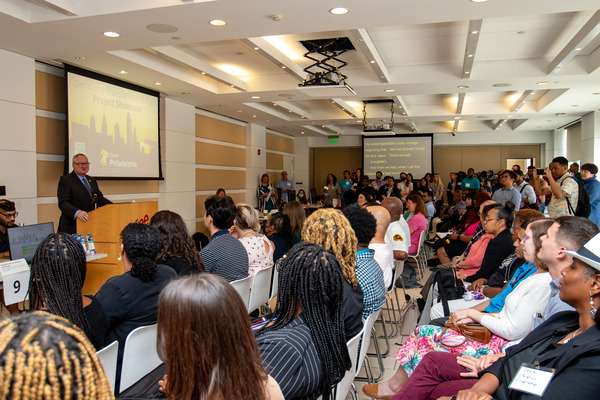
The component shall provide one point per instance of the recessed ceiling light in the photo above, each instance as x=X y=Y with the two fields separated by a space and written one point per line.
x=123 y=72
x=462 y=87
x=469 y=55
x=111 y=34
x=479 y=1
x=283 y=66
x=302 y=133
x=158 y=83
x=256 y=97
x=339 y=11
x=254 y=116
x=217 y=22
x=80 y=58
x=238 y=110
x=474 y=32
x=467 y=72
x=389 y=91
x=232 y=85
x=543 y=83
x=256 y=48
x=577 y=48
x=203 y=73
x=456 y=117
x=372 y=61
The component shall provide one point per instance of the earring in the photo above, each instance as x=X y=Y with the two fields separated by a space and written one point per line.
x=593 y=309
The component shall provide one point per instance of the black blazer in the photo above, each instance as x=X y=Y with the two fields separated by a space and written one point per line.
x=72 y=196
x=576 y=363
x=383 y=192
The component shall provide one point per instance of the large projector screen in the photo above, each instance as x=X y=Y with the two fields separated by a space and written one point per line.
x=115 y=124
x=395 y=154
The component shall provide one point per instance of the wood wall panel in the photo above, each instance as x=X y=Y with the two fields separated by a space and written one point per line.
x=215 y=129
x=50 y=92
x=127 y=187
x=273 y=160
x=48 y=213
x=279 y=143
x=48 y=174
x=201 y=228
x=50 y=135
x=237 y=198
x=214 y=154
x=212 y=179
x=334 y=161
x=523 y=151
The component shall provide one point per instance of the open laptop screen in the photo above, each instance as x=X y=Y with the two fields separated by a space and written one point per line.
x=23 y=240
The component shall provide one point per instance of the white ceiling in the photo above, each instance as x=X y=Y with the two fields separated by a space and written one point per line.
x=419 y=49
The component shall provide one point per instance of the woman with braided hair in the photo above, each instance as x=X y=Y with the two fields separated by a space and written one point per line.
x=58 y=271
x=45 y=357
x=130 y=300
x=304 y=347
x=331 y=230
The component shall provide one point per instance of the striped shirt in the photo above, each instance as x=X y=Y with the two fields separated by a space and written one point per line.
x=290 y=357
x=225 y=256
x=370 y=278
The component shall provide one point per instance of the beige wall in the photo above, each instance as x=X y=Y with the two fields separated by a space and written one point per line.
x=324 y=161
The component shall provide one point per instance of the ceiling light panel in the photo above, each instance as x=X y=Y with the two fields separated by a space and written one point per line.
x=471 y=47
x=364 y=44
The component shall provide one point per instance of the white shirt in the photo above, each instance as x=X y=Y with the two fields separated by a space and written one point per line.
x=398 y=235
x=384 y=255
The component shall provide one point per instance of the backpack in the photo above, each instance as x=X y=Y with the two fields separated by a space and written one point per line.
x=583 y=206
x=533 y=206
x=449 y=287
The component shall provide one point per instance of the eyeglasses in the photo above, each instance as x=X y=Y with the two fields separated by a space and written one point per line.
x=491 y=219
x=82 y=164
x=10 y=215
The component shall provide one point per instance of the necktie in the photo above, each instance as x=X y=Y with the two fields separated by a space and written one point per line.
x=87 y=186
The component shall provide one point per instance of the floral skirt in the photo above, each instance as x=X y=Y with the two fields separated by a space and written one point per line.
x=428 y=338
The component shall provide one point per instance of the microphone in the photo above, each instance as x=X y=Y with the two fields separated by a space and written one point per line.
x=95 y=200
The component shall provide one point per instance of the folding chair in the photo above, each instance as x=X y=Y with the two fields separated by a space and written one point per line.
x=261 y=288
x=343 y=386
x=242 y=286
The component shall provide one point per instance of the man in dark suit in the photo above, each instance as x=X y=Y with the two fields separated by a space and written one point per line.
x=78 y=194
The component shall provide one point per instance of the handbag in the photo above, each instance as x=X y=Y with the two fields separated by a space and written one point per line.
x=476 y=332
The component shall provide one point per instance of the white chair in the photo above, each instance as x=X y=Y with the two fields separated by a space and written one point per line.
x=369 y=332
x=139 y=355
x=261 y=288
x=343 y=386
x=274 y=282
x=418 y=256
x=108 y=358
x=242 y=286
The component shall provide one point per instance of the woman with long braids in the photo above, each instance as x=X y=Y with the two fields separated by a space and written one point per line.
x=332 y=231
x=58 y=271
x=304 y=347
x=130 y=300
x=45 y=357
x=178 y=250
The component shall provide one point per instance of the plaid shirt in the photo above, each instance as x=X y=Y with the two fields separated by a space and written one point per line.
x=479 y=232
x=370 y=278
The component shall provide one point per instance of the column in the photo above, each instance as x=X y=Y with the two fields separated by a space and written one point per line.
x=590 y=138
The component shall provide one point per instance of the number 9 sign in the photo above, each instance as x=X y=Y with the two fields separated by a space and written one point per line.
x=15 y=277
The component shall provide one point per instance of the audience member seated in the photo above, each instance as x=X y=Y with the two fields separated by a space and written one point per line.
x=212 y=316
x=178 y=250
x=451 y=214
x=331 y=230
x=498 y=223
x=368 y=272
x=384 y=253
x=297 y=215
x=508 y=191
x=417 y=223
x=303 y=199
x=246 y=228
x=511 y=323
x=130 y=300
x=58 y=271
x=45 y=357
x=389 y=189
x=304 y=347
x=279 y=231
x=224 y=255
x=567 y=344
x=428 y=200
x=398 y=232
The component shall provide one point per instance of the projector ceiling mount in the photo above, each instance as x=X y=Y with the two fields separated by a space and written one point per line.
x=380 y=128
x=325 y=70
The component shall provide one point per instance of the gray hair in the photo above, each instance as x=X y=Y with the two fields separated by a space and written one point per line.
x=76 y=156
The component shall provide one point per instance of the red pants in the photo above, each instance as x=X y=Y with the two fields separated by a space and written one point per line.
x=437 y=375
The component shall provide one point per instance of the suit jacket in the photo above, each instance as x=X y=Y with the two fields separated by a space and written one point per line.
x=72 y=196
x=384 y=189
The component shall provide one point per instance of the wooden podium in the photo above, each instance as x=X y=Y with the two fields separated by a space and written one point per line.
x=105 y=225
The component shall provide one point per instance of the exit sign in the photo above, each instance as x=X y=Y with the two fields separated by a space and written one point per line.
x=333 y=140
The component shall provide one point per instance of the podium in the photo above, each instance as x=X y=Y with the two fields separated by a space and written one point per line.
x=105 y=225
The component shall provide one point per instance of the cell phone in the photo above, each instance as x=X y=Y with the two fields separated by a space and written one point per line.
x=541 y=171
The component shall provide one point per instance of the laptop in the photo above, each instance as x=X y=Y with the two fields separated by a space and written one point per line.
x=24 y=240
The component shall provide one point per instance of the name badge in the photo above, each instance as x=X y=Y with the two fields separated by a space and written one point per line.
x=532 y=379
x=289 y=184
x=467 y=185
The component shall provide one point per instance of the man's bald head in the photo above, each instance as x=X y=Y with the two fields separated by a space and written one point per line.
x=383 y=221
x=394 y=206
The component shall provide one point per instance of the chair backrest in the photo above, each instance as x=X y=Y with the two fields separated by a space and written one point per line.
x=343 y=386
x=242 y=286
x=421 y=241
x=274 y=282
x=139 y=355
x=397 y=271
x=370 y=321
x=108 y=358
x=261 y=288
